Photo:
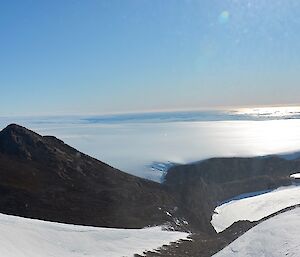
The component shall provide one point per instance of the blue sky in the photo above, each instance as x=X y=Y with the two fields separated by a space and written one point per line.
x=68 y=57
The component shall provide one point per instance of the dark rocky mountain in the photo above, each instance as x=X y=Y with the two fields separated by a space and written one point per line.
x=41 y=177
x=201 y=186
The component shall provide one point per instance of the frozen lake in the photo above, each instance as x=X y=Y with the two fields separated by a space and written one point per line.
x=136 y=143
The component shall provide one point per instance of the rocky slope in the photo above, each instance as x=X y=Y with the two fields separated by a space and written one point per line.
x=41 y=177
x=201 y=186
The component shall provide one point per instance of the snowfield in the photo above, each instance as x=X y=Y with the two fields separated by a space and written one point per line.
x=296 y=176
x=254 y=208
x=21 y=237
x=276 y=237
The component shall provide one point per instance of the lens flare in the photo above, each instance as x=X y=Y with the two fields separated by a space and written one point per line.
x=224 y=17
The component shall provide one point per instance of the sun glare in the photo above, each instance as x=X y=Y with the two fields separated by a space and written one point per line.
x=275 y=112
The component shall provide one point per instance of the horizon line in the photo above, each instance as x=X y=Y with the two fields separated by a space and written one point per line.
x=165 y=110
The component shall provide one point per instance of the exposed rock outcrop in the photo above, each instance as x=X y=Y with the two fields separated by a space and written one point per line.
x=201 y=186
x=41 y=177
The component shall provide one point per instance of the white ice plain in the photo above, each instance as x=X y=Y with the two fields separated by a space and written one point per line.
x=21 y=237
x=276 y=237
x=134 y=146
x=254 y=208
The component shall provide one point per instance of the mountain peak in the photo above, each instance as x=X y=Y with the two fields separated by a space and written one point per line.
x=41 y=177
x=16 y=129
x=17 y=140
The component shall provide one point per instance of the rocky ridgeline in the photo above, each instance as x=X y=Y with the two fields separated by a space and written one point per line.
x=201 y=186
x=41 y=177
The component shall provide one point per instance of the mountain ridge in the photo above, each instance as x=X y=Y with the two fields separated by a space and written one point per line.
x=42 y=177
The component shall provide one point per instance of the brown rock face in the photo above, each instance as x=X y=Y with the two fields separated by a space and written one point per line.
x=201 y=186
x=41 y=177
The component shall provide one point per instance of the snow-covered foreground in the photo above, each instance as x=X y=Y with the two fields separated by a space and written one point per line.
x=20 y=237
x=278 y=236
x=255 y=208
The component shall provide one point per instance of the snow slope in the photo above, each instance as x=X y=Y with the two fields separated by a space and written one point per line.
x=20 y=237
x=276 y=237
x=254 y=208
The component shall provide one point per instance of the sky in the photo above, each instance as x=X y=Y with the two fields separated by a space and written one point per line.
x=93 y=57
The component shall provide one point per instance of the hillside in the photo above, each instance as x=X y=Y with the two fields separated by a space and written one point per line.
x=278 y=236
x=41 y=177
x=201 y=186
x=21 y=237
